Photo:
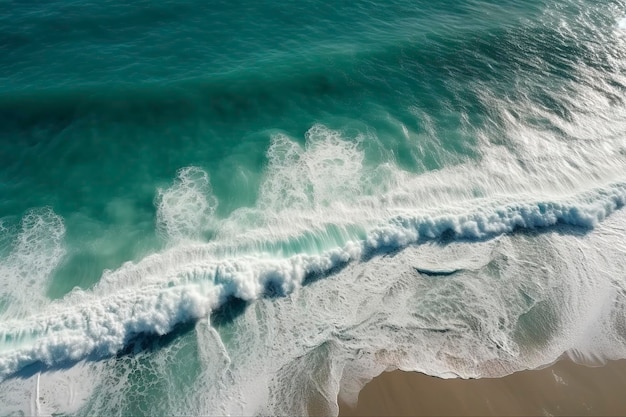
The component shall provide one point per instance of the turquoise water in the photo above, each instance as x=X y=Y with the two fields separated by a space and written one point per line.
x=252 y=207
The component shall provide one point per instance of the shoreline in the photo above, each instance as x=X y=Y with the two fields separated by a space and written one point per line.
x=564 y=388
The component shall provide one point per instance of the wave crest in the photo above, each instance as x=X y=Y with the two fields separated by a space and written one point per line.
x=187 y=283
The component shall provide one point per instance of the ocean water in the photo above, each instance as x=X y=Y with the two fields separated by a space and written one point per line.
x=250 y=208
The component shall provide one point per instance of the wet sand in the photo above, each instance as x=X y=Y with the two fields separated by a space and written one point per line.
x=564 y=388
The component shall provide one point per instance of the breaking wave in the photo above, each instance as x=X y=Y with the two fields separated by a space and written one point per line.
x=188 y=282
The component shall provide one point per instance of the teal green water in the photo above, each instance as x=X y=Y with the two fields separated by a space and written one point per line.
x=249 y=149
x=100 y=110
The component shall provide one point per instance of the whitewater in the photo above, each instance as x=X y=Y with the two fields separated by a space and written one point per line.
x=276 y=268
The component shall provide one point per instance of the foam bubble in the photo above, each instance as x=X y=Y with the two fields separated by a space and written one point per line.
x=328 y=170
x=36 y=252
x=185 y=210
x=62 y=391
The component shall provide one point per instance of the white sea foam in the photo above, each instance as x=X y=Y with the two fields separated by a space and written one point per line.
x=329 y=169
x=519 y=302
x=36 y=251
x=185 y=210
x=62 y=391
x=101 y=322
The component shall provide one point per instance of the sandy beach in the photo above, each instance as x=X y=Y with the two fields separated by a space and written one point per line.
x=564 y=388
